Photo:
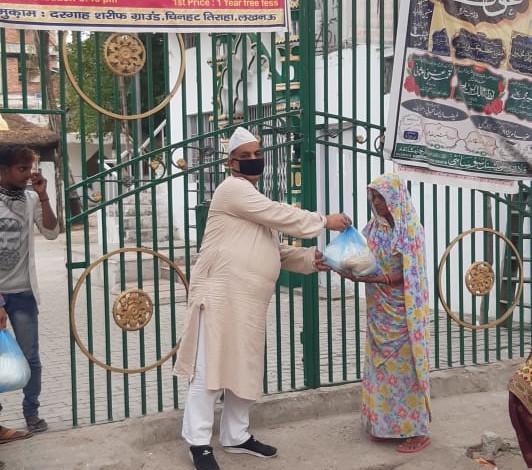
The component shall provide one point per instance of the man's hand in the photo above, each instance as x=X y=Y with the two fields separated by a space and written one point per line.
x=319 y=261
x=3 y=318
x=49 y=220
x=338 y=222
x=38 y=182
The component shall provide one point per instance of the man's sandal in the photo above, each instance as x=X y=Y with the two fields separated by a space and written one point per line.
x=10 y=435
x=413 y=444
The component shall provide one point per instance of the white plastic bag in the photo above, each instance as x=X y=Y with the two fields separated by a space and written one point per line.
x=349 y=252
x=14 y=368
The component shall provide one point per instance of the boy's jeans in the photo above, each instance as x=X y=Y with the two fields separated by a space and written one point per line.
x=23 y=315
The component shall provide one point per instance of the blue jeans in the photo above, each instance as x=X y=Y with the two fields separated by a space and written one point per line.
x=23 y=314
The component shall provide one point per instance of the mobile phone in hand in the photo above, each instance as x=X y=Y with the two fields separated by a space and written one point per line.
x=36 y=165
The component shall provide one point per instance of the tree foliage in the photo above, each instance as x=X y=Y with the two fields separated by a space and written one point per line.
x=107 y=90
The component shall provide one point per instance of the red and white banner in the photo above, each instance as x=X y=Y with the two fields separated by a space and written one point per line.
x=185 y=16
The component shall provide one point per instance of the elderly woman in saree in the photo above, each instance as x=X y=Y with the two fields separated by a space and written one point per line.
x=395 y=387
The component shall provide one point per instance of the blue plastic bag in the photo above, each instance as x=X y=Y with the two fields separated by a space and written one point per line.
x=349 y=252
x=14 y=368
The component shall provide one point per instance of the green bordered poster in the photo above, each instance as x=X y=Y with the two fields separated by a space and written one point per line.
x=461 y=101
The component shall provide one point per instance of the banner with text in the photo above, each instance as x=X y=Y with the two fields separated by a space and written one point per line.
x=461 y=98
x=184 y=16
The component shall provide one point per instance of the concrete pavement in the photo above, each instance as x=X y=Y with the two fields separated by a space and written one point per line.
x=330 y=440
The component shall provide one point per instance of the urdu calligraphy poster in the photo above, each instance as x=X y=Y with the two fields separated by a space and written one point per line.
x=461 y=98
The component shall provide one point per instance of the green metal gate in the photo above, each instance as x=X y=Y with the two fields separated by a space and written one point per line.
x=144 y=121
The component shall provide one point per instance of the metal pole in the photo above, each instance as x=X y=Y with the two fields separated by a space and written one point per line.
x=310 y=334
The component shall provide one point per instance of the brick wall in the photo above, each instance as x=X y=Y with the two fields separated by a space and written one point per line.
x=14 y=85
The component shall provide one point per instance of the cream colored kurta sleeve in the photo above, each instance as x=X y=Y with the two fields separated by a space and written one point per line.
x=253 y=206
x=298 y=259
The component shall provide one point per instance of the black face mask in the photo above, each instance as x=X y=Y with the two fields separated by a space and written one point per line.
x=253 y=167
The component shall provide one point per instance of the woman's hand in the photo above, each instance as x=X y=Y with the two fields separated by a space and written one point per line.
x=349 y=275
x=368 y=279
x=319 y=261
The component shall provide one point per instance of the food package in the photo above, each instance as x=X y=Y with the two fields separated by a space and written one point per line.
x=14 y=368
x=349 y=252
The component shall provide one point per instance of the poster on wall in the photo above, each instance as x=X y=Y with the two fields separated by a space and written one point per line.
x=185 y=16
x=461 y=99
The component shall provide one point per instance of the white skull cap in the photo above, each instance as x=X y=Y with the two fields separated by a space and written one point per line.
x=240 y=137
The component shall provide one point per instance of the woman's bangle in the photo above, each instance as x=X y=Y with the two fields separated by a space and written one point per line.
x=387 y=279
x=44 y=200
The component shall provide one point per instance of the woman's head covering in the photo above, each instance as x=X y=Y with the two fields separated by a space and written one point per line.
x=240 y=137
x=408 y=234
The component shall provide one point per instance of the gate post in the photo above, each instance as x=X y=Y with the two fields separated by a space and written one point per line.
x=310 y=333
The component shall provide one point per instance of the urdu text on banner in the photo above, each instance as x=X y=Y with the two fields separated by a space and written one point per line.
x=184 y=16
x=461 y=103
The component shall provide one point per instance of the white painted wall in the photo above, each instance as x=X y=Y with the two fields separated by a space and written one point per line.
x=75 y=155
x=176 y=123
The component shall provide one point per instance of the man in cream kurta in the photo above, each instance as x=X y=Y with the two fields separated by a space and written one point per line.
x=222 y=346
